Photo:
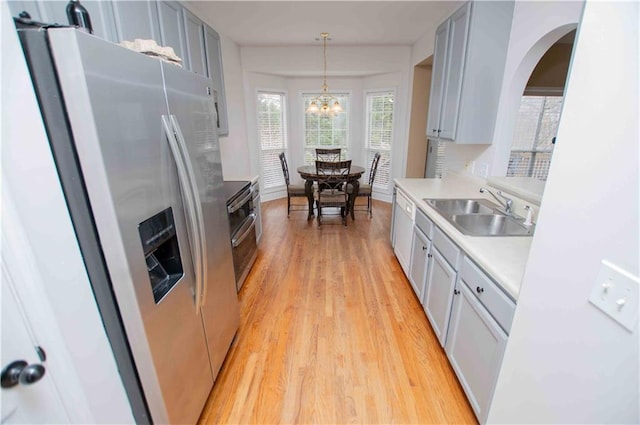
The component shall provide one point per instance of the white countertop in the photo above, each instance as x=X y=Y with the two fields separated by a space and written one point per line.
x=527 y=188
x=502 y=258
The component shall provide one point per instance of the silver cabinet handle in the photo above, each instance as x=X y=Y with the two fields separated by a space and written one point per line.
x=193 y=231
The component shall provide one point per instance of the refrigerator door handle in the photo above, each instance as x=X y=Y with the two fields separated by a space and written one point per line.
x=190 y=210
x=197 y=206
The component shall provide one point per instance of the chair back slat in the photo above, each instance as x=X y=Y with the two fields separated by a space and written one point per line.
x=332 y=155
x=333 y=174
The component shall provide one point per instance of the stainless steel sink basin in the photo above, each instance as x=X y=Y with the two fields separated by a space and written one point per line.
x=490 y=225
x=480 y=217
x=462 y=206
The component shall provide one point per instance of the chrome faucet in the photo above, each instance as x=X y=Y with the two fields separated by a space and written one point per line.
x=507 y=204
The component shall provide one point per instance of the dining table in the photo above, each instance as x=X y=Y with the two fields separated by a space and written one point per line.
x=310 y=176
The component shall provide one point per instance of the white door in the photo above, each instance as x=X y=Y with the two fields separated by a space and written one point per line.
x=36 y=402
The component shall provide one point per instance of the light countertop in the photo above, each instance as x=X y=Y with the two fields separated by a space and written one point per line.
x=502 y=258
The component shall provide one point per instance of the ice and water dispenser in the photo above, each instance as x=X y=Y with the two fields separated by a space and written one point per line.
x=160 y=244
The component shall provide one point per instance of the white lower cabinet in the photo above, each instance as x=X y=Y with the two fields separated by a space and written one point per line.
x=475 y=345
x=420 y=254
x=443 y=270
x=439 y=293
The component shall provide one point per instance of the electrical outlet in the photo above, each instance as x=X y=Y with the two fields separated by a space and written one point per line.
x=616 y=293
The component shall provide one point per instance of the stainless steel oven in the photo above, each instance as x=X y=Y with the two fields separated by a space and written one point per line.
x=242 y=221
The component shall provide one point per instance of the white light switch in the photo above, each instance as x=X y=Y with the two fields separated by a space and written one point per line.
x=616 y=292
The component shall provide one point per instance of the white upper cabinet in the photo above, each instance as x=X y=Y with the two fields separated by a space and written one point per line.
x=194 y=29
x=136 y=19
x=468 y=67
x=213 y=51
x=100 y=12
x=172 y=28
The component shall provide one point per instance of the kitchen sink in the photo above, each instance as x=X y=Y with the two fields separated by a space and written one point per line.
x=490 y=225
x=480 y=217
x=462 y=206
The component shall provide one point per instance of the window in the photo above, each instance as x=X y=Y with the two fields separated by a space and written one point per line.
x=536 y=128
x=379 y=134
x=325 y=131
x=271 y=130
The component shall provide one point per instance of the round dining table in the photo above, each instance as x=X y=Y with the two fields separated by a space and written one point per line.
x=310 y=175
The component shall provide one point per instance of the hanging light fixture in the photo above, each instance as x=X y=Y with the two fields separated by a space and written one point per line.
x=325 y=104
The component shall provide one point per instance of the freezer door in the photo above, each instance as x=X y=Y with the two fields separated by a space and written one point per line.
x=115 y=101
x=191 y=106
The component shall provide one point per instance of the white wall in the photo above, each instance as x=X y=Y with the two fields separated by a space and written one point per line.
x=306 y=61
x=535 y=27
x=566 y=361
x=57 y=296
x=234 y=148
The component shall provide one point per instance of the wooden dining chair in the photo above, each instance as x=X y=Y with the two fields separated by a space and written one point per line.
x=331 y=155
x=365 y=189
x=293 y=190
x=332 y=182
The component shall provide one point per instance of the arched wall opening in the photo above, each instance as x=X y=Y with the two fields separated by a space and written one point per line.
x=512 y=95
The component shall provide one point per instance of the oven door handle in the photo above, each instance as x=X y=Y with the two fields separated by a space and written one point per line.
x=193 y=211
x=244 y=230
x=237 y=204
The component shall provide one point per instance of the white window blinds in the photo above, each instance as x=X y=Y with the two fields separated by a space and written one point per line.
x=379 y=134
x=272 y=135
x=326 y=131
x=536 y=127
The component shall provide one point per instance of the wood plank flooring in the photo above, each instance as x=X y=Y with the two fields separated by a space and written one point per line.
x=332 y=333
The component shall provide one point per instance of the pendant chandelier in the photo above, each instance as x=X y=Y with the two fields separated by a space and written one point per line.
x=325 y=104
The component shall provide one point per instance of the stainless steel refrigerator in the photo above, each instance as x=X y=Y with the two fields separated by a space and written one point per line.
x=136 y=147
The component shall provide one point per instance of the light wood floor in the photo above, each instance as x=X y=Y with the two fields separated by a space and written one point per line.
x=332 y=333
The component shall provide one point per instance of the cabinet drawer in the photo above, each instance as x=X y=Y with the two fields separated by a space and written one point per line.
x=424 y=224
x=405 y=205
x=490 y=295
x=447 y=248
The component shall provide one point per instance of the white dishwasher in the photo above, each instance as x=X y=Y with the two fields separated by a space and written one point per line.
x=403 y=215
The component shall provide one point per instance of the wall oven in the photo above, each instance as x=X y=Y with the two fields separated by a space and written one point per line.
x=242 y=223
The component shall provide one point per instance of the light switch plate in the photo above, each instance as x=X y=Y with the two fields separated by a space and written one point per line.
x=616 y=293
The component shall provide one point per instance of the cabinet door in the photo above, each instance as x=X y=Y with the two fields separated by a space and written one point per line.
x=419 y=261
x=194 y=30
x=438 y=79
x=100 y=12
x=475 y=347
x=33 y=8
x=216 y=74
x=136 y=19
x=172 y=29
x=439 y=293
x=457 y=48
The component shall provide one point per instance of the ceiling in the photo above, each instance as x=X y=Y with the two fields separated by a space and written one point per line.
x=285 y=23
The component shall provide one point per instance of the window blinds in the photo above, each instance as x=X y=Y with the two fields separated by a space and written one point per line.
x=271 y=130
x=379 y=134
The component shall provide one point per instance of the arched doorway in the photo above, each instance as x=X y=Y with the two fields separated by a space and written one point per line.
x=513 y=95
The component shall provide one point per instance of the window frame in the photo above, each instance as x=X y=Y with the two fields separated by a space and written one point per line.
x=346 y=110
x=267 y=188
x=368 y=153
